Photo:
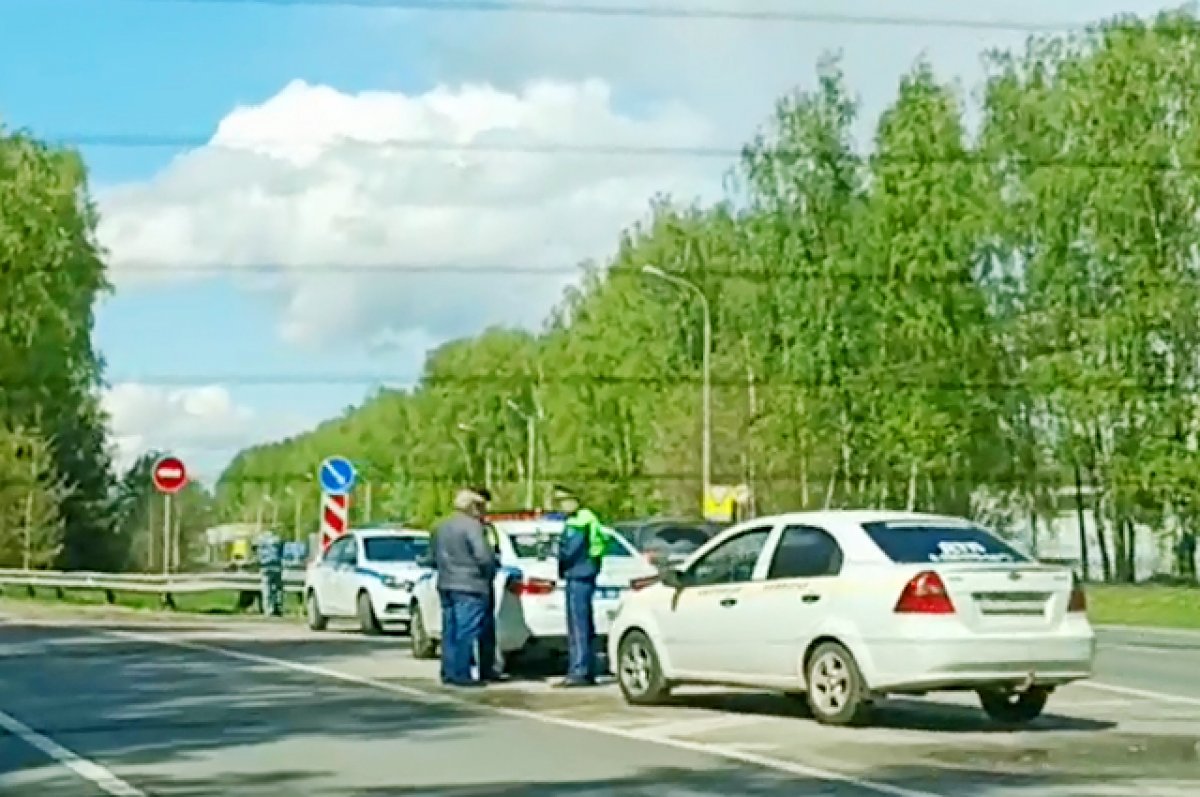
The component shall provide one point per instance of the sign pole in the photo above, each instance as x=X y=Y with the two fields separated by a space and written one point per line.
x=166 y=546
x=169 y=476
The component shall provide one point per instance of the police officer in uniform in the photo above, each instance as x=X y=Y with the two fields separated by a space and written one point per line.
x=580 y=556
x=489 y=659
x=270 y=563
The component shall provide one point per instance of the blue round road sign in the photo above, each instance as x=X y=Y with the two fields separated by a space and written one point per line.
x=337 y=475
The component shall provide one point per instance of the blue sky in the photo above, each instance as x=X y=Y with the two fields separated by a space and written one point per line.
x=129 y=67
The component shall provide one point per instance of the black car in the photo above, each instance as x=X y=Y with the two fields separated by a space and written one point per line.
x=668 y=541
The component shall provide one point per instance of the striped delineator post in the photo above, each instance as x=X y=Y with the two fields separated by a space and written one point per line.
x=335 y=518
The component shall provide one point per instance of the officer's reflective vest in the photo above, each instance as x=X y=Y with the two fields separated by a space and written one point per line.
x=586 y=522
x=489 y=534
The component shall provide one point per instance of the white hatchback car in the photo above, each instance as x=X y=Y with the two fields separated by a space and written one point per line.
x=368 y=574
x=850 y=606
x=531 y=611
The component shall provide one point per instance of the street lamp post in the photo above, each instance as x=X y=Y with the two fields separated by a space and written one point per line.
x=531 y=454
x=706 y=390
x=464 y=428
x=265 y=498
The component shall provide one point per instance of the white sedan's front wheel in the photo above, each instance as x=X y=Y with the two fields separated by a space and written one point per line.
x=316 y=620
x=639 y=673
x=367 y=621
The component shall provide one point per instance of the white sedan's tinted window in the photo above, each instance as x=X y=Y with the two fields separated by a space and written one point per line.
x=732 y=561
x=805 y=552
x=931 y=543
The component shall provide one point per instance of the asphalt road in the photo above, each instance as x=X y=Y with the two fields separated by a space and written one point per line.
x=257 y=709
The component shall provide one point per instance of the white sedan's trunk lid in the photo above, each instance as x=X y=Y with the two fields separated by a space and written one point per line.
x=1016 y=596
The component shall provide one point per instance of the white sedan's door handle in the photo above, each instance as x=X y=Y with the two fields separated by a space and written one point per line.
x=810 y=598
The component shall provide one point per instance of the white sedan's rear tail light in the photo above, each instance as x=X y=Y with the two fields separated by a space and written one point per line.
x=532 y=586
x=642 y=583
x=925 y=594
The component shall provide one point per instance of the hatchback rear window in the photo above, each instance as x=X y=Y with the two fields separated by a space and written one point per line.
x=931 y=543
x=679 y=537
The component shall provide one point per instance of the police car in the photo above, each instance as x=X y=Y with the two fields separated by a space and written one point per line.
x=367 y=575
x=531 y=603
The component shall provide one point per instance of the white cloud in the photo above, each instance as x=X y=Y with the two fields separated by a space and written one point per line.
x=306 y=180
x=203 y=425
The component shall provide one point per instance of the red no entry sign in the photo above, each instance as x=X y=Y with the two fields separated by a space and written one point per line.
x=170 y=475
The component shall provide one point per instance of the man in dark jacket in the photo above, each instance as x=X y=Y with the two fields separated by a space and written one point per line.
x=466 y=568
x=580 y=557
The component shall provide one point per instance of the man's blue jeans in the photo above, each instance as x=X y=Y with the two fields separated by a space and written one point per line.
x=462 y=627
x=448 y=632
x=581 y=631
x=487 y=638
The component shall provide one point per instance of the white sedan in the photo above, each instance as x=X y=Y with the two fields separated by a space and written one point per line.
x=850 y=606
x=368 y=574
x=531 y=609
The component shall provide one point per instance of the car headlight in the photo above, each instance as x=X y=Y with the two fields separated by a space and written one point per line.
x=396 y=583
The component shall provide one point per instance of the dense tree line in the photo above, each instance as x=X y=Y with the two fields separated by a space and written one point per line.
x=60 y=504
x=1011 y=311
x=55 y=474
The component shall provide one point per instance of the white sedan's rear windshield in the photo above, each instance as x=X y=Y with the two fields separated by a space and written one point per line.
x=930 y=543
x=543 y=543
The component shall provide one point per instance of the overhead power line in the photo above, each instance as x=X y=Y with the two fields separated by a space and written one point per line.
x=746 y=274
x=731 y=12
x=140 y=140
x=642 y=380
x=743 y=273
x=1015 y=161
x=197 y=140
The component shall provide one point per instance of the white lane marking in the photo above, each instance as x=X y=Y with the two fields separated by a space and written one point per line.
x=721 y=751
x=88 y=770
x=751 y=746
x=1100 y=703
x=1150 y=630
x=1145 y=694
x=1126 y=646
x=689 y=727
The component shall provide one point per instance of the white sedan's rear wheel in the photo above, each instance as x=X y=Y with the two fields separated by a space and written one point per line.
x=837 y=693
x=423 y=645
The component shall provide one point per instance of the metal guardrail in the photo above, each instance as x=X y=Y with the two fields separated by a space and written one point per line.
x=174 y=584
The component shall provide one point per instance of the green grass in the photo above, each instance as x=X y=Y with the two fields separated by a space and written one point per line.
x=1144 y=604
x=208 y=603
